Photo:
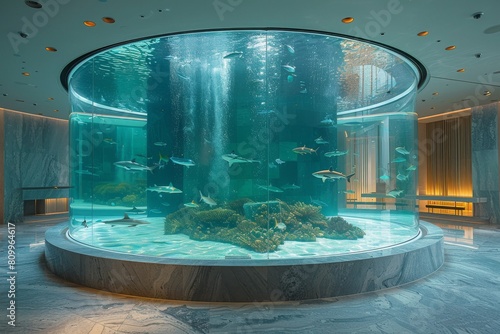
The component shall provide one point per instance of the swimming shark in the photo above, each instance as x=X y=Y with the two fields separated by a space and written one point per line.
x=234 y=158
x=182 y=161
x=271 y=188
x=304 y=150
x=126 y=220
x=133 y=166
x=165 y=189
x=208 y=200
x=330 y=174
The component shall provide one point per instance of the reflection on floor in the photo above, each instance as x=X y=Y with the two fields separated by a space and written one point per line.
x=462 y=297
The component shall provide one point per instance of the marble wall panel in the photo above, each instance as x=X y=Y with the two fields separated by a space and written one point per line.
x=35 y=155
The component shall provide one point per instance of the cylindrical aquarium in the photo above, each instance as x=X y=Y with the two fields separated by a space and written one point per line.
x=243 y=144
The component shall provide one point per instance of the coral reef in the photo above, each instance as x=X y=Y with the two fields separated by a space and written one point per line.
x=123 y=194
x=261 y=226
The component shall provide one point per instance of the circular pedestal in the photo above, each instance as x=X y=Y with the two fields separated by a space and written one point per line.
x=239 y=280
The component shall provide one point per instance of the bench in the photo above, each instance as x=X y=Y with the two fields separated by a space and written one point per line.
x=356 y=203
x=458 y=209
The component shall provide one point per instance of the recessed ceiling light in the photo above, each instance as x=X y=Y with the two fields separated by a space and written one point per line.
x=33 y=4
x=477 y=15
x=4 y=94
x=432 y=108
x=51 y=98
x=108 y=19
x=56 y=110
x=423 y=33
x=451 y=47
x=89 y=23
x=26 y=74
x=487 y=93
x=20 y=100
x=50 y=49
x=348 y=19
x=461 y=70
x=435 y=93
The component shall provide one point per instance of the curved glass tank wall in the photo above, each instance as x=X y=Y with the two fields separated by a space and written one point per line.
x=244 y=144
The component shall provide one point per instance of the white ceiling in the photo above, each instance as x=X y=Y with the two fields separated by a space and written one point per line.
x=59 y=24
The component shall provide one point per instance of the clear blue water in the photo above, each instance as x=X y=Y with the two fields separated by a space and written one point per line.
x=212 y=120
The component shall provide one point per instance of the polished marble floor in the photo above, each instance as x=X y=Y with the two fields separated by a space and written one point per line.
x=462 y=297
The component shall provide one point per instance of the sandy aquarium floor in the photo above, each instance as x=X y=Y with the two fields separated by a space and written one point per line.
x=150 y=240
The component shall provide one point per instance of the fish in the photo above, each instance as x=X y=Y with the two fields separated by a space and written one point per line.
x=234 y=158
x=109 y=141
x=86 y=172
x=208 y=200
x=290 y=187
x=304 y=150
x=289 y=68
x=327 y=122
x=303 y=91
x=126 y=220
x=385 y=177
x=320 y=141
x=290 y=48
x=191 y=204
x=281 y=226
x=271 y=188
x=318 y=202
x=394 y=193
x=165 y=204
x=402 y=177
x=143 y=156
x=162 y=158
x=234 y=54
x=155 y=211
x=289 y=78
x=399 y=159
x=350 y=191
x=165 y=189
x=272 y=165
x=182 y=161
x=160 y=143
x=135 y=210
x=330 y=174
x=279 y=161
x=336 y=153
x=411 y=167
x=402 y=150
x=265 y=112
x=133 y=166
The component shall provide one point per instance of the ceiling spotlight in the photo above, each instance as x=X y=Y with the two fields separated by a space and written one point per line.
x=461 y=70
x=108 y=20
x=477 y=15
x=23 y=34
x=50 y=49
x=26 y=74
x=348 y=19
x=423 y=33
x=51 y=98
x=89 y=23
x=435 y=93
x=487 y=93
x=477 y=55
x=451 y=47
x=33 y=4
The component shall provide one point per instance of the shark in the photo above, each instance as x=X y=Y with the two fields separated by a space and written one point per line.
x=207 y=199
x=126 y=220
x=330 y=174
x=271 y=188
x=165 y=189
x=132 y=165
x=135 y=210
x=336 y=153
x=182 y=161
x=234 y=158
x=304 y=150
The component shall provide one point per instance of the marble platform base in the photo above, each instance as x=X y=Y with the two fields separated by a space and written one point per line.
x=240 y=280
